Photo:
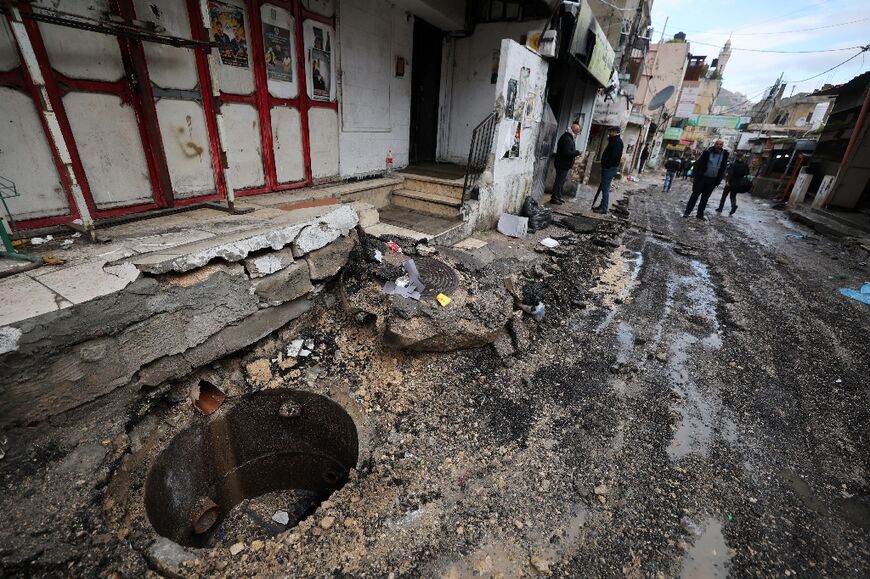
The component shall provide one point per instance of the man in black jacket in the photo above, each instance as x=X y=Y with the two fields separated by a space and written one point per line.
x=733 y=175
x=566 y=152
x=707 y=173
x=672 y=167
x=609 y=166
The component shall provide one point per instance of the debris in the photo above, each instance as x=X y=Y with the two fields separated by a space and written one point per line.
x=66 y=243
x=209 y=398
x=862 y=295
x=513 y=225
x=540 y=565
x=52 y=260
x=601 y=490
x=549 y=242
x=41 y=240
x=394 y=246
x=327 y=522
x=257 y=545
x=237 y=548
x=838 y=277
x=259 y=371
x=409 y=285
x=294 y=347
x=443 y=300
x=304 y=353
x=538 y=312
x=379 y=257
x=539 y=216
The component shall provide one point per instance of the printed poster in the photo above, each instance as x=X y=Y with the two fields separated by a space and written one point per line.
x=529 y=117
x=228 y=31
x=321 y=64
x=511 y=101
x=276 y=47
x=515 y=147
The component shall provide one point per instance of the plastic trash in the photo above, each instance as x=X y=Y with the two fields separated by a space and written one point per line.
x=394 y=246
x=513 y=225
x=281 y=517
x=549 y=242
x=539 y=216
x=538 y=312
x=862 y=295
x=443 y=300
x=41 y=240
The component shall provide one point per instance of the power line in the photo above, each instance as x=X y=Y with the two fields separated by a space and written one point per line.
x=781 y=31
x=854 y=56
x=777 y=51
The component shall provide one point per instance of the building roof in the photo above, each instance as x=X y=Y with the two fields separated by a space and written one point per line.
x=857 y=83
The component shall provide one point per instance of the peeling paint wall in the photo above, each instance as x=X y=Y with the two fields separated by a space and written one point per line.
x=243 y=150
x=375 y=103
x=472 y=91
x=323 y=135
x=508 y=179
x=287 y=143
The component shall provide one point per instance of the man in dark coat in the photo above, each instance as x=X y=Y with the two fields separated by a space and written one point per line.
x=707 y=173
x=733 y=175
x=672 y=167
x=566 y=152
x=644 y=155
x=609 y=166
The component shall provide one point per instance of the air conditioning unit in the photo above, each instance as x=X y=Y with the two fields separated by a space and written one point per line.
x=547 y=46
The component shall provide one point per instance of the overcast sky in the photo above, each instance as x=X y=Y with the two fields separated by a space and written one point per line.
x=771 y=25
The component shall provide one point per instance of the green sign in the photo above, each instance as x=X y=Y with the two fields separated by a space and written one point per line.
x=715 y=121
x=673 y=134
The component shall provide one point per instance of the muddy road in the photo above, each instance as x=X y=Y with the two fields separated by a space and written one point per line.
x=693 y=404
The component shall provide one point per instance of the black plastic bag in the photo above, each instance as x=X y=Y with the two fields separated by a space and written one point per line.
x=539 y=216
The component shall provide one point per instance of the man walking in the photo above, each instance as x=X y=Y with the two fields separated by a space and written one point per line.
x=706 y=176
x=644 y=155
x=672 y=168
x=566 y=152
x=609 y=165
x=687 y=165
x=733 y=176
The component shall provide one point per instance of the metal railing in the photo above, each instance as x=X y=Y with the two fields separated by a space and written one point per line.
x=478 y=153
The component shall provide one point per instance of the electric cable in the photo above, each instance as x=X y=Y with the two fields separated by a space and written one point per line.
x=777 y=51
x=779 y=31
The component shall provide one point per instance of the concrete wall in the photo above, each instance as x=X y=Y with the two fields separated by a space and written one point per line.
x=665 y=66
x=508 y=179
x=471 y=92
x=187 y=308
x=448 y=15
x=375 y=104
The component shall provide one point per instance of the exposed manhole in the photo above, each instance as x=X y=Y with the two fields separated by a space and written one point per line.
x=437 y=276
x=298 y=443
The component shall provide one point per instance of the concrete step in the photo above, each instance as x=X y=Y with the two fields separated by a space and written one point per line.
x=428 y=203
x=442 y=187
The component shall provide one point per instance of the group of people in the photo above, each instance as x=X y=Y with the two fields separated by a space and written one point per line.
x=707 y=172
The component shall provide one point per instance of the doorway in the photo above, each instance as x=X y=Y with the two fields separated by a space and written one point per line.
x=425 y=86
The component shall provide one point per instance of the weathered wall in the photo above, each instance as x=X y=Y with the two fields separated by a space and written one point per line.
x=508 y=179
x=665 y=66
x=190 y=311
x=375 y=104
x=448 y=15
x=472 y=91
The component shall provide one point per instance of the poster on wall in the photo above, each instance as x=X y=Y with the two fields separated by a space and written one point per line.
x=529 y=116
x=228 y=31
x=522 y=91
x=511 y=100
x=277 y=51
x=515 y=147
x=321 y=64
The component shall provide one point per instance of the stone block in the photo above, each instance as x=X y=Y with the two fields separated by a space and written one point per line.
x=268 y=263
x=327 y=261
x=285 y=285
x=368 y=213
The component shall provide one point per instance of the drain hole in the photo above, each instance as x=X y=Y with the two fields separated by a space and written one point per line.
x=229 y=476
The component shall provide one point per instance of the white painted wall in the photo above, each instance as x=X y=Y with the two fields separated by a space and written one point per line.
x=510 y=179
x=323 y=130
x=25 y=159
x=186 y=145
x=243 y=146
x=168 y=66
x=287 y=144
x=472 y=93
x=375 y=104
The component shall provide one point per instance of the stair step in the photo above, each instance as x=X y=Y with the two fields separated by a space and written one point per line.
x=441 y=187
x=429 y=203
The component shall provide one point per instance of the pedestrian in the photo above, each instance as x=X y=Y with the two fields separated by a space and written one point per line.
x=644 y=155
x=672 y=168
x=734 y=175
x=609 y=165
x=566 y=152
x=687 y=166
x=707 y=173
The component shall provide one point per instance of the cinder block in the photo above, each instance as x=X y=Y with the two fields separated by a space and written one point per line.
x=285 y=285
x=327 y=262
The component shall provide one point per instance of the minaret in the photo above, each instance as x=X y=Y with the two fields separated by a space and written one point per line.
x=724 y=55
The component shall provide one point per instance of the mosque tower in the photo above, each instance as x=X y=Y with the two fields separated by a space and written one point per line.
x=724 y=55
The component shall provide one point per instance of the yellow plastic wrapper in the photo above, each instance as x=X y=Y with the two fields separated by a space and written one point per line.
x=443 y=300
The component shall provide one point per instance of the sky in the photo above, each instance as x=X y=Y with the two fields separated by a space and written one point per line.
x=771 y=25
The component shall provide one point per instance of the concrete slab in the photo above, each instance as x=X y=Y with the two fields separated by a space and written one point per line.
x=387 y=230
x=81 y=283
x=470 y=243
x=164 y=241
x=23 y=297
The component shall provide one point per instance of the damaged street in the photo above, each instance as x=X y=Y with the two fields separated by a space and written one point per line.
x=692 y=403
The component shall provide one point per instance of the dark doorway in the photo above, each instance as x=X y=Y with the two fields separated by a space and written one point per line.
x=425 y=86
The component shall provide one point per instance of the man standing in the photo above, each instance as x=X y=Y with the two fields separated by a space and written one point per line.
x=733 y=176
x=672 y=168
x=609 y=165
x=644 y=155
x=687 y=164
x=706 y=175
x=566 y=152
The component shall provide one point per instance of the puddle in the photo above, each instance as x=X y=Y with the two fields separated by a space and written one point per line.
x=708 y=557
x=618 y=281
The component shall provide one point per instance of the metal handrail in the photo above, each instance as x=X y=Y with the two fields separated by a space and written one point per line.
x=478 y=153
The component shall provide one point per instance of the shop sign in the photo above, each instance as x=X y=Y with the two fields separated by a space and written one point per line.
x=673 y=134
